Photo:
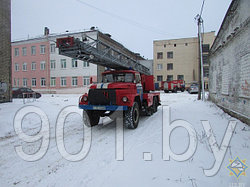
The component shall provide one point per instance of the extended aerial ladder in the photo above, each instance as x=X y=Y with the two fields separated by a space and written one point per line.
x=127 y=87
x=106 y=55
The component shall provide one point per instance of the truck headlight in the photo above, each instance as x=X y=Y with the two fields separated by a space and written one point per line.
x=125 y=99
x=85 y=98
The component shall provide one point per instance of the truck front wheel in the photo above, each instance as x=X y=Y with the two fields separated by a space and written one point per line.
x=93 y=118
x=131 y=116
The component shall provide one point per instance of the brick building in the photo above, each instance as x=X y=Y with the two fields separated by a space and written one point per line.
x=230 y=62
x=5 y=51
x=37 y=64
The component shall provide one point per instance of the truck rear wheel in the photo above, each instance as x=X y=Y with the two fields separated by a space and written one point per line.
x=131 y=116
x=155 y=105
x=93 y=118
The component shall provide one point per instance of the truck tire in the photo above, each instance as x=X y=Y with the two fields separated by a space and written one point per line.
x=149 y=111
x=93 y=118
x=131 y=116
x=182 y=89
x=175 y=89
x=155 y=105
x=166 y=91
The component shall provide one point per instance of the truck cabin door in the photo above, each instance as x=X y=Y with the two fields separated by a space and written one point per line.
x=139 y=85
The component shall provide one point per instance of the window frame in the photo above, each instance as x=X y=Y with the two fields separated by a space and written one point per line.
x=42 y=49
x=159 y=55
x=170 y=54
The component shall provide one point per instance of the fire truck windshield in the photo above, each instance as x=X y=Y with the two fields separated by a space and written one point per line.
x=118 y=77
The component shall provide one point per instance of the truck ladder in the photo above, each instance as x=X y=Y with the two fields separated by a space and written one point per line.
x=105 y=55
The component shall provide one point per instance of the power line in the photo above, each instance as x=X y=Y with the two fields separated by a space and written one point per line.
x=132 y=22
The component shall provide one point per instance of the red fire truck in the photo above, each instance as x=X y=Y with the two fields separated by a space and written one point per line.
x=127 y=86
x=173 y=86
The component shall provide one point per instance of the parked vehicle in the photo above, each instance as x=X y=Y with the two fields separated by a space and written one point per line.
x=24 y=93
x=129 y=88
x=194 y=88
x=173 y=86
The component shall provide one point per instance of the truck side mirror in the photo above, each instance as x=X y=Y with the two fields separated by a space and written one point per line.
x=91 y=80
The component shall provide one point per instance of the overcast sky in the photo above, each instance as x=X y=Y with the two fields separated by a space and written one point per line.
x=134 y=23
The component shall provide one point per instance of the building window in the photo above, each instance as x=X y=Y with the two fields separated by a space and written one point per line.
x=25 y=82
x=159 y=78
x=52 y=64
x=42 y=65
x=63 y=81
x=205 y=59
x=33 y=66
x=33 y=50
x=42 y=49
x=52 y=48
x=43 y=82
x=33 y=82
x=16 y=67
x=86 y=80
x=169 y=77
x=74 y=63
x=52 y=81
x=16 y=51
x=17 y=82
x=206 y=71
x=63 y=63
x=24 y=51
x=24 y=66
x=170 y=54
x=180 y=77
x=170 y=66
x=85 y=64
x=205 y=48
x=159 y=66
x=160 y=55
x=74 y=81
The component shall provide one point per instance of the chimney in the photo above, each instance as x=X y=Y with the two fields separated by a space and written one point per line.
x=46 y=31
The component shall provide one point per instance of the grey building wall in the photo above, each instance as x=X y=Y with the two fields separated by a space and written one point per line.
x=5 y=51
x=230 y=62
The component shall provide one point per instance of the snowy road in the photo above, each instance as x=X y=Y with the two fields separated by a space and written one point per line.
x=100 y=167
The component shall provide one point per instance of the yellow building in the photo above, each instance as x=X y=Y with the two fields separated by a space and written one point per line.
x=179 y=59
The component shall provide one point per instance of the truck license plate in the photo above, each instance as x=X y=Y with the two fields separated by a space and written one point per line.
x=99 y=108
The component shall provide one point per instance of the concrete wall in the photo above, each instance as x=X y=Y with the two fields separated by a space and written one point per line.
x=5 y=51
x=230 y=62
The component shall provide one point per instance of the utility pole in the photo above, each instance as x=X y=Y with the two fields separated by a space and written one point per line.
x=201 y=76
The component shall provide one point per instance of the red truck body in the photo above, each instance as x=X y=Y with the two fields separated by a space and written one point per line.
x=173 y=86
x=130 y=91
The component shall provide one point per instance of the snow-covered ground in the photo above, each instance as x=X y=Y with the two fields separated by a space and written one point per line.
x=100 y=167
